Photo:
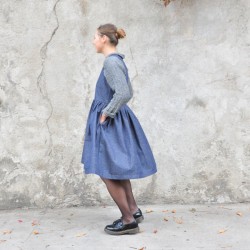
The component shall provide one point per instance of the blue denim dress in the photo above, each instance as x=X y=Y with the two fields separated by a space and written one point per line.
x=116 y=148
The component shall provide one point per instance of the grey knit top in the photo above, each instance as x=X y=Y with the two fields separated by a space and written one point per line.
x=115 y=74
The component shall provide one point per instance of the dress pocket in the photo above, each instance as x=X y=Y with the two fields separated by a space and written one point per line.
x=103 y=123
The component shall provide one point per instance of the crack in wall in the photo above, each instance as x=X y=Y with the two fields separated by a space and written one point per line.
x=43 y=53
x=136 y=73
x=135 y=65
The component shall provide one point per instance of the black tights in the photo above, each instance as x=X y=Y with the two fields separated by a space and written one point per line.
x=122 y=194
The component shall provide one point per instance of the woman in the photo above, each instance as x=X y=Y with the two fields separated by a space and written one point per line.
x=115 y=146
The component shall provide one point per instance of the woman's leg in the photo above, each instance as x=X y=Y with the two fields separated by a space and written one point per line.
x=118 y=194
x=129 y=194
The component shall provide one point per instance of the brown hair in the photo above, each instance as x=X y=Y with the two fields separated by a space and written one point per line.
x=112 y=32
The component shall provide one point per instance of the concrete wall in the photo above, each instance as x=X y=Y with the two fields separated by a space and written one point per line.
x=190 y=70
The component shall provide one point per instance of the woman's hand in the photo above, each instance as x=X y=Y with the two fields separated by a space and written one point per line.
x=103 y=118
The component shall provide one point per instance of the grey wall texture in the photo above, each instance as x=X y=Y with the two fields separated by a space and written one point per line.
x=190 y=70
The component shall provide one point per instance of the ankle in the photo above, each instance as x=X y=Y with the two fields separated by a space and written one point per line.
x=127 y=220
x=134 y=210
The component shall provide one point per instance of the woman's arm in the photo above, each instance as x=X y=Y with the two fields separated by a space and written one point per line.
x=115 y=74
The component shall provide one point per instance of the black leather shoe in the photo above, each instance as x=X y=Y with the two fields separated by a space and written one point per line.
x=137 y=215
x=119 y=228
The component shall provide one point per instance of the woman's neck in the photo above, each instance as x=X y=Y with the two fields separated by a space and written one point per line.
x=108 y=51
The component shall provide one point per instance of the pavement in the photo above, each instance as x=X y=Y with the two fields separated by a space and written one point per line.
x=166 y=226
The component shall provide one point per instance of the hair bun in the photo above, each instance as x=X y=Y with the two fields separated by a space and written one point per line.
x=120 y=33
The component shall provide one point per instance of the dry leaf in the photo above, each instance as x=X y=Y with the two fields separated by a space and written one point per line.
x=222 y=231
x=155 y=231
x=225 y=207
x=80 y=234
x=7 y=231
x=149 y=211
x=143 y=248
x=34 y=222
x=164 y=211
x=178 y=220
x=20 y=221
x=173 y=211
x=166 y=219
x=239 y=213
x=35 y=232
x=167 y=2
x=1 y=241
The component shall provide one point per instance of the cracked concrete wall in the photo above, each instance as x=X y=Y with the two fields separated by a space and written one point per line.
x=190 y=70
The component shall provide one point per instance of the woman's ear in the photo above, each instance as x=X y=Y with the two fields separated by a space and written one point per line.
x=104 y=38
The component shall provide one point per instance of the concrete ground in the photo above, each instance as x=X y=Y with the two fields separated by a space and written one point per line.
x=225 y=227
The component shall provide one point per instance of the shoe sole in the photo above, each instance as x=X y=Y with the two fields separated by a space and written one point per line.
x=129 y=231
x=139 y=219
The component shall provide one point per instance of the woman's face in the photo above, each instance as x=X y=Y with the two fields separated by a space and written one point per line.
x=99 y=42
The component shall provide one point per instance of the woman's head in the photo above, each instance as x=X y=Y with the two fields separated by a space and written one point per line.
x=107 y=35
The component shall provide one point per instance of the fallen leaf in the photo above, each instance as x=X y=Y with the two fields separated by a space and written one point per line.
x=166 y=2
x=192 y=210
x=239 y=213
x=7 y=231
x=149 y=211
x=166 y=219
x=225 y=208
x=178 y=220
x=222 y=231
x=155 y=231
x=1 y=241
x=34 y=222
x=20 y=221
x=173 y=211
x=143 y=248
x=35 y=232
x=164 y=211
x=80 y=234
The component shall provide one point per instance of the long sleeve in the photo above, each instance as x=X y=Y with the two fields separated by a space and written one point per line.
x=115 y=74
